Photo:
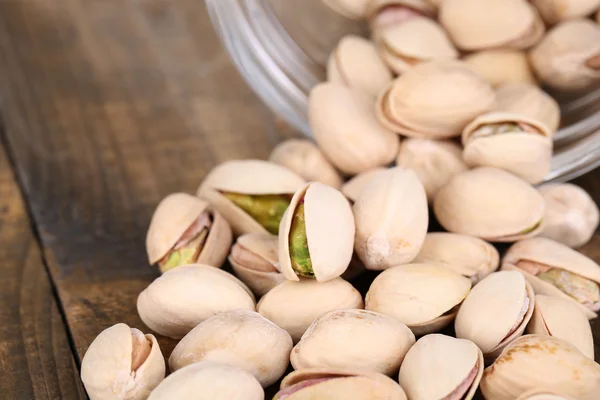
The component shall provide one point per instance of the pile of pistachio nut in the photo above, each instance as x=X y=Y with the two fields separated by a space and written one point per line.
x=301 y=230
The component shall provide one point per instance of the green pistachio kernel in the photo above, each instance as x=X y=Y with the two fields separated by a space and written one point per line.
x=581 y=289
x=531 y=228
x=265 y=209
x=187 y=254
x=299 y=253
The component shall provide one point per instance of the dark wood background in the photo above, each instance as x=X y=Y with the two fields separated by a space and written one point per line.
x=108 y=105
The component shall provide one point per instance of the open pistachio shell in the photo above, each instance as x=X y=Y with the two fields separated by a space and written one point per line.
x=496 y=312
x=467 y=255
x=501 y=66
x=353 y=187
x=353 y=9
x=553 y=11
x=539 y=361
x=316 y=234
x=424 y=297
x=385 y=14
x=434 y=161
x=441 y=367
x=491 y=204
x=122 y=363
x=557 y=270
x=251 y=195
x=295 y=305
x=391 y=219
x=359 y=339
x=345 y=127
x=542 y=394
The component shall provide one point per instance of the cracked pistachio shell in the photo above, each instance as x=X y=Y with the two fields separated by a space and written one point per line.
x=561 y=318
x=353 y=187
x=571 y=215
x=357 y=339
x=479 y=25
x=553 y=11
x=498 y=66
x=255 y=261
x=539 y=361
x=434 y=100
x=424 y=297
x=434 y=161
x=181 y=298
x=122 y=363
x=530 y=101
x=295 y=305
x=383 y=14
x=441 y=367
x=346 y=129
x=527 y=153
x=353 y=9
x=416 y=40
x=568 y=58
x=173 y=216
x=241 y=338
x=329 y=230
x=207 y=380
x=491 y=204
x=317 y=383
x=543 y=252
x=355 y=63
x=391 y=219
x=467 y=255
x=542 y=394
x=250 y=177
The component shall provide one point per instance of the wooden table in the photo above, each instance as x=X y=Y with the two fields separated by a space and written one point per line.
x=108 y=105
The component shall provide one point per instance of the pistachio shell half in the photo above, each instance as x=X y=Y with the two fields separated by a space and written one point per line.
x=353 y=187
x=385 y=14
x=353 y=9
x=542 y=394
x=501 y=66
x=553 y=11
x=122 y=363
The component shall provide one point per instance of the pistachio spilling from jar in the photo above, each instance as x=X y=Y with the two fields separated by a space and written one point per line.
x=499 y=67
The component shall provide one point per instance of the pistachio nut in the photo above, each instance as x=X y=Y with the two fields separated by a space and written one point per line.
x=491 y=204
x=541 y=362
x=561 y=318
x=424 y=297
x=479 y=25
x=391 y=219
x=353 y=9
x=316 y=383
x=542 y=394
x=434 y=161
x=184 y=230
x=434 y=100
x=255 y=261
x=467 y=255
x=553 y=11
x=251 y=195
x=355 y=339
x=122 y=363
x=441 y=367
x=294 y=306
x=316 y=234
x=242 y=338
x=353 y=187
x=499 y=66
x=571 y=215
x=568 y=58
x=207 y=380
x=530 y=101
x=384 y=14
x=414 y=41
x=181 y=298
x=557 y=270
x=509 y=141
x=346 y=129
x=355 y=63
x=496 y=312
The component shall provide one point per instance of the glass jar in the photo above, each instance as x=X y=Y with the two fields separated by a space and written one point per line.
x=281 y=47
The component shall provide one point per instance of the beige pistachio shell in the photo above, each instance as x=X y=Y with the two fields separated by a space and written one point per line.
x=356 y=339
x=561 y=318
x=385 y=14
x=529 y=100
x=553 y=11
x=353 y=9
x=539 y=361
x=421 y=296
x=353 y=187
x=181 y=298
x=542 y=394
x=496 y=312
x=467 y=255
x=434 y=100
x=501 y=66
x=242 y=338
x=346 y=129
x=441 y=367
x=207 y=380
x=568 y=58
x=491 y=204
x=391 y=219
x=434 y=161
x=294 y=306
x=571 y=215
x=122 y=363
